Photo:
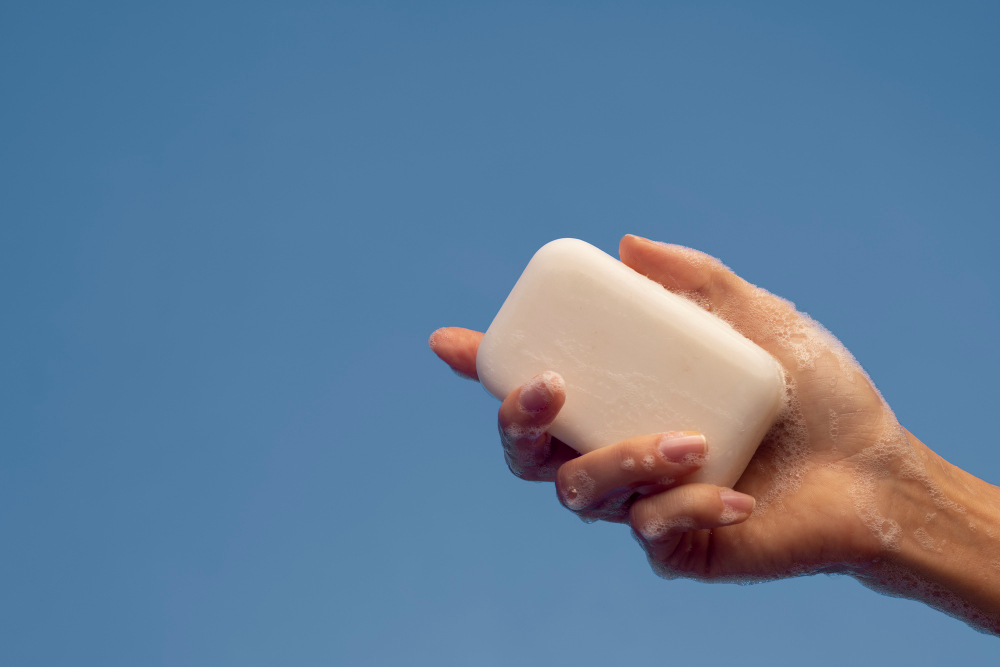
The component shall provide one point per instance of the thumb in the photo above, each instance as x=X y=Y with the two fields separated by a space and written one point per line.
x=754 y=312
x=457 y=347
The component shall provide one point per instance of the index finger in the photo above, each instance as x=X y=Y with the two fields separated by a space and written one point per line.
x=457 y=347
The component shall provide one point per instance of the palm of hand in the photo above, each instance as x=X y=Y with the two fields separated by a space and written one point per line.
x=805 y=475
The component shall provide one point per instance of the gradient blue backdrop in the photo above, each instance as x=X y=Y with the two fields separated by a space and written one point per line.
x=227 y=229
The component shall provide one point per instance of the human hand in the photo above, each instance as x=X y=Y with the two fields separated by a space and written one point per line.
x=598 y=485
x=834 y=412
x=826 y=478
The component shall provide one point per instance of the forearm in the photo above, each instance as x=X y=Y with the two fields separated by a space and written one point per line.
x=949 y=551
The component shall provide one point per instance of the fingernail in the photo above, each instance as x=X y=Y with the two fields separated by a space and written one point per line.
x=737 y=504
x=681 y=447
x=537 y=393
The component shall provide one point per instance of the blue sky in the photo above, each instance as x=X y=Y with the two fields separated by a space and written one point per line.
x=227 y=230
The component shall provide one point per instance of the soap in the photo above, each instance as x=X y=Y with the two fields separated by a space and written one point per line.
x=636 y=358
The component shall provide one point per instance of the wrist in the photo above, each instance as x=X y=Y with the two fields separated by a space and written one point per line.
x=945 y=554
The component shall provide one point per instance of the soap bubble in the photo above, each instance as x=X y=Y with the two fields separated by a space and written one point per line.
x=579 y=490
x=854 y=434
x=895 y=581
x=693 y=460
x=613 y=508
x=925 y=540
x=549 y=382
x=657 y=528
x=730 y=515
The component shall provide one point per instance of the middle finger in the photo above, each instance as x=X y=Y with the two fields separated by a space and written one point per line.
x=646 y=464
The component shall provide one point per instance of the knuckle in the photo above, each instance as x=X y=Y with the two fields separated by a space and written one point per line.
x=702 y=503
x=515 y=466
x=634 y=458
x=658 y=519
x=527 y=456
x=506 y=435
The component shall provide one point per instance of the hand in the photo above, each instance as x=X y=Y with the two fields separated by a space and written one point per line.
x=598 y=485
x=827 y=478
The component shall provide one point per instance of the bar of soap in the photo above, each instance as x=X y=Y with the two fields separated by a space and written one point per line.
x=636 y=358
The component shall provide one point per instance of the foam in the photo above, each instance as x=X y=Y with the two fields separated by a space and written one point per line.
x=438 y=336
x=848 y=430
x=648 y=462
x=693 y=460
x=897 y=582
x=730 y=516
x=925 y=540
x=550 y=382
x=579 y=491
x=526 y=441
x=657 y=528
x=511 y=433
x=628 y=464
x=614 y=508
x=804 y=346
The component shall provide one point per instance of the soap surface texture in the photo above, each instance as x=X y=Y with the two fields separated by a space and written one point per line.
x=636 y=359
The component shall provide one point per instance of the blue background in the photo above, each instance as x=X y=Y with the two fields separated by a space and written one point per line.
x=228 y=229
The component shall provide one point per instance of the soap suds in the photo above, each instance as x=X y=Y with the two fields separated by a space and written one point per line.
x=437 y=336
x=549 y=383
x=580 y=490
x=628 y=464
x=531 y=454
x=853 y=433
x=511 y=433
x=655 y=529
x=730 y=515
x=648 y=462
x=614 y=508
x=693 y=460
x=774 y=323
x=895 y=581
x=925 y=540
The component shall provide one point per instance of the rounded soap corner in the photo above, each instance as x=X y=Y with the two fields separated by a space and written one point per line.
x=564 y=246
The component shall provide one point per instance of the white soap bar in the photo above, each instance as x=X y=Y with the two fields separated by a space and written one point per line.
x=636 y=359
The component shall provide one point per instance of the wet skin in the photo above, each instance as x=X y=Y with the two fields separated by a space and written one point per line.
x=839 y=485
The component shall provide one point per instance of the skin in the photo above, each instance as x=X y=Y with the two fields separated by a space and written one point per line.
x=934 y=535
